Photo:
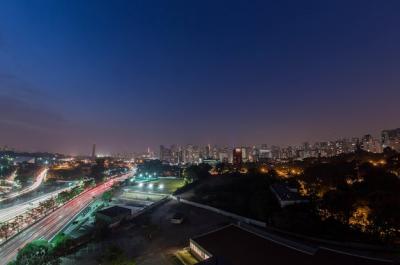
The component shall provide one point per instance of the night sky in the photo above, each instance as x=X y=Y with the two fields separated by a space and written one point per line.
x=130 y=74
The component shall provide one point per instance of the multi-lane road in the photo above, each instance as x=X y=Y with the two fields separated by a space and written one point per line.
x=38 y=181
x=50 y=225
x=18 y=209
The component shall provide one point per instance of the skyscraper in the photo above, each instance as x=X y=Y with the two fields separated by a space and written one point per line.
x=237 y=156
x=370 y=144
x=165 y=154
x=94 y=151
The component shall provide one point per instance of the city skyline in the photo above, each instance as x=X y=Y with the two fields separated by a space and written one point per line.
x=370 y=143
x=199 y=132
x=131 y=75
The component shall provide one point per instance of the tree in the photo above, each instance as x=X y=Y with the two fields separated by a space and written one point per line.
x=4 y=230
x=384 y=217
x=89 y=183
x=62 y=243
x=37 y=252
x=63 y=196
x=339 y=204
x=98 y=170
x=198 y=172
x=106 y=196
x=322 y=177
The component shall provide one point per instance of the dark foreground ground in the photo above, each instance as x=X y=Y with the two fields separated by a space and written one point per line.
x=151 y=238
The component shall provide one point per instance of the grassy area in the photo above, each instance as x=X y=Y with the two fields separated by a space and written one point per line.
x=173 y=260
x=185 y=257
x=171 y=185
x=168 y=186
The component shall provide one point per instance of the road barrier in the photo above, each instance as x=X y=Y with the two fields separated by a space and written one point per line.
x=222 y=212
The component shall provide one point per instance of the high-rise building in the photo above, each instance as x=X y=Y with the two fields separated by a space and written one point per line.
x=94 y=151
x=371 y=144
x=391 y=138
x=208 y=151
x=165 y=154
x=264 y=153
x=223 y=157
x=237 y=156
x=176 y=154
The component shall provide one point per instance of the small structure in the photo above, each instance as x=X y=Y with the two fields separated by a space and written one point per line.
x=285 y=195
x=113 y=216
x=177 y=218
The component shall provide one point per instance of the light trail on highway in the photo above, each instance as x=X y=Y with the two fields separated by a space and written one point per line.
x=50 y=225
x=18 y=209
x=34 y=186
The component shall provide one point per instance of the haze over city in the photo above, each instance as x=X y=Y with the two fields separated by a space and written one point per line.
x=129 y=75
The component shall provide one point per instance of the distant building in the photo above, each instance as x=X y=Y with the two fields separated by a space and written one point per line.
x=391 y=138
x=264 y=153
x=112 y=216
x=94 y=151
x=165 y=154
x=210 y=161
x=191 y=154
x=176 y=154
x=371 y=144
x=237 y=156
x=286 y=195
x=223 y=156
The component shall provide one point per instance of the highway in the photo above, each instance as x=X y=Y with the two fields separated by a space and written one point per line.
x=18 y=209
x=38 y=181
x=50 y=225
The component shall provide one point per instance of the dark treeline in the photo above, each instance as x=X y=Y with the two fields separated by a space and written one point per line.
x=351 y=197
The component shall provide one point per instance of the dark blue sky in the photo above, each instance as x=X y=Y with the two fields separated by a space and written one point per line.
x=132 y=74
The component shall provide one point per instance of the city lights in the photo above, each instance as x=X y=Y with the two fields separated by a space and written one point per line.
x=200 y=132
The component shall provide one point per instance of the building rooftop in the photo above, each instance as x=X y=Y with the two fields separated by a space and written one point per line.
x=234 y=245
x=115 y=211
x=285 y=194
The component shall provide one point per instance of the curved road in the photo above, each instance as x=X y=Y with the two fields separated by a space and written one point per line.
x=50 y=225
x=34 y=186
